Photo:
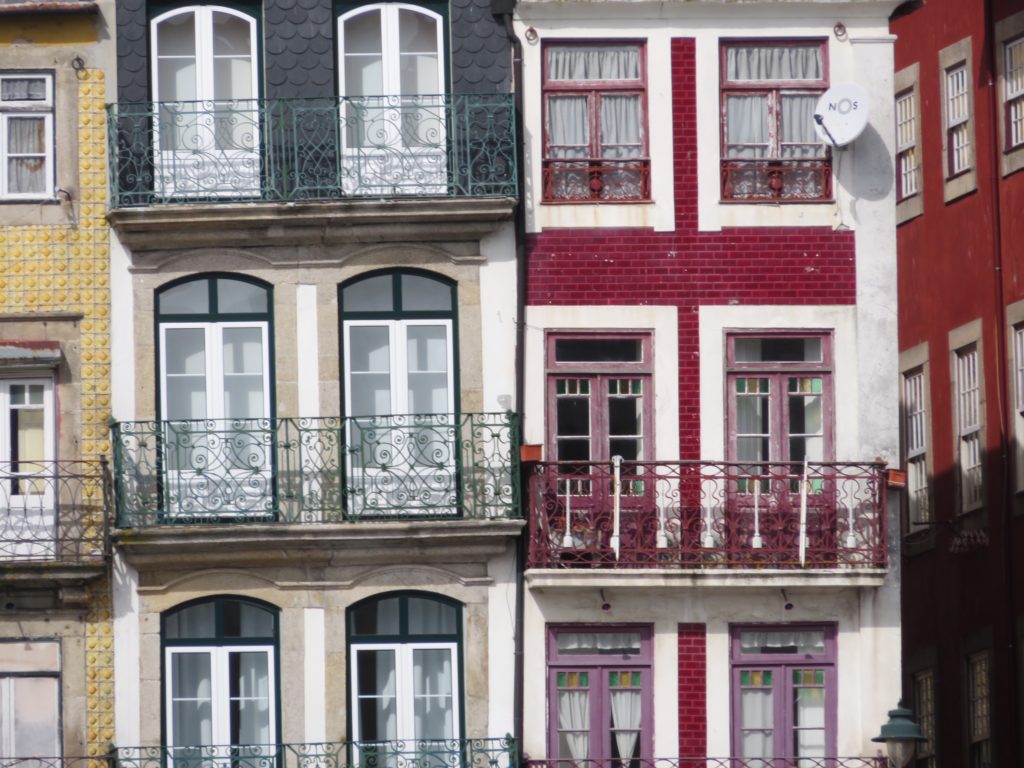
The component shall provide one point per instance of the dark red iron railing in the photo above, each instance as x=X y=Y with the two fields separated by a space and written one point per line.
x=777 y=179
x=705 y=514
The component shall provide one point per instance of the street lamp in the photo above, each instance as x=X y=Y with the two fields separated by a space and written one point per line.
x=900 y=735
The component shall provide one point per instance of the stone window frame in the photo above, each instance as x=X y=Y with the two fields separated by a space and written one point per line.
x=1010 y=29
x=907 y=82
x=963 y=182
x=915 y=361
x=961 y=340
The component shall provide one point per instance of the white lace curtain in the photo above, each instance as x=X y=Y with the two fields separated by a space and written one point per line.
x=626 y=711
x=749 y=115
x=26 y=149
x=598 y=642
x=619 y=114
x=810 y=641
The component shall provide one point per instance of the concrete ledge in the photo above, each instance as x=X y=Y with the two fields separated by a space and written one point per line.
x=313 y=543
x=158 y=227
x=653 y=578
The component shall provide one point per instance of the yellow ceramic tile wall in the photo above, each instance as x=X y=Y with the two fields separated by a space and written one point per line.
x=66 y=269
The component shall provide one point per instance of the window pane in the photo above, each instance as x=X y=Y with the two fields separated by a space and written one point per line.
x=36 y=715
x=574 y=724
x=29 y=435
x=427 y=366
x=746 y=125
x=362 y=33
x=230 y=35
x=185 y=377
x=432 y=693
x=375 y=676
x=379 y=617
x=193 y=622
x=372 y=294
x=176 y=36
x=191 y=692
x=573 y=416
x=249 y=697
x=23 y=89
x=430 y=617
x=192 y=298
x=593 y=62
x=773 y=62
x=239 y=296
x=796 y=641
x=369 y=370
x=778 y=350
x=26 y=136
x=619 y=643
x=424 y=294
x=246 y=620
x=598 y=351
x=243 y=373
x=568 y=127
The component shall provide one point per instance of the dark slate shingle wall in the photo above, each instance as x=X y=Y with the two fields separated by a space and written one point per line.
x=299 y=56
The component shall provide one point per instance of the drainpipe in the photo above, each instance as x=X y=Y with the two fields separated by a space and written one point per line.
x=1006 y=494
x=505 y=9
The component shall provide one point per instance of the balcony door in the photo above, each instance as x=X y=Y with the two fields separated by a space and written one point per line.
x=393 y=114
x=402 y=432
x=28 y=479
x=404 y=680
x=220 y=693
x=217 y=432
x=205 y=91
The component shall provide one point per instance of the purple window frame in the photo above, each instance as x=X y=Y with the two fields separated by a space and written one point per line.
x=782 y=665
x=600 y=372
x=778 y=371
x=598 y=665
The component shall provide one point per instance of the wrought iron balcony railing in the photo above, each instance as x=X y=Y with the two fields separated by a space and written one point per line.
x=442 y=753
x=805 y=179
x=316 y=470
x=716 y=762
x=705 y=514
x=295 y=150
x=598 y=179
x=53 y=512
x=448 y=753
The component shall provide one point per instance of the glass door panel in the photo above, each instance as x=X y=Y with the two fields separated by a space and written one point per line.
x=191 y=699
x=249 y=697
x=573 y=715
x=433 y=694
x=757 y=713
x=376 y=695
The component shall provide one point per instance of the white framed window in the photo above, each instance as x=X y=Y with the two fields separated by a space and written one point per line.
x=906 y=145
x=915 y=428
x=969 y=419
x=404 y=679
x=979 y=714
x=26 y=135
x=220 y=687
x=30 y=673
x=955 y=77
x=957 y=113
x=1013 y=92
x=204 y=77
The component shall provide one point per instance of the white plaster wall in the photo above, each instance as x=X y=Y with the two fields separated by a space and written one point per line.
x=501 y=646
x=498 y=303
x=122 y=333
x=661 y=321
x=127 y=671
x=858 y=641
x=707 y=24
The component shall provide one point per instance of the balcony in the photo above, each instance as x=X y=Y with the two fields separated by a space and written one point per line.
x=316 y=470
x=446 y=753
x=707 y=515
x=52 y=514
x=718 y=762
x=303 y=150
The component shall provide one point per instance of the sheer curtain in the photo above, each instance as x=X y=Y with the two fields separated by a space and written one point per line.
x=746 y=125
x=574 y=723
x=626 y=712
x=757 y=715
x=26 y=153
x=775 y=62
x=593 y=62
x=598 y=642
x=809 y=641
x=432 y=694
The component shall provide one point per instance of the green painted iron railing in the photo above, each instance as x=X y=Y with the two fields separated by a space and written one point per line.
x=312 y=149
x=423 y=753
x=313 y=470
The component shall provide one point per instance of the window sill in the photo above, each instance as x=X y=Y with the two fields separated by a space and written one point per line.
x=909 y=208
x=1013 y=160
x=638 y=201
x=963 y=183
x=781 y=201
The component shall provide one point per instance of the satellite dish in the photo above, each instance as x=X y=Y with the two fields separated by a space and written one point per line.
x=841 y=114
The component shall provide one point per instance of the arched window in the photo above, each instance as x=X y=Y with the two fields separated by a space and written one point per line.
x=204 y=85
x=220 y=670
x=391 y=76
x=214 y=361
x=404 y=683
x=399 y=343
x=399 y=358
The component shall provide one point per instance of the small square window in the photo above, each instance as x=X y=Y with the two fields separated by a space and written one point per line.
x=26 y=136
x=769 y=148
x=595 y=123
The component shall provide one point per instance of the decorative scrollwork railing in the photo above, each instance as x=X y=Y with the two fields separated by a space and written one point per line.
x=314 y=470
x=53 y=511
x=580 y=180
x=804 y=179
x=294 y=150
x=704 y=514
x=718 y=762
x=441 y=753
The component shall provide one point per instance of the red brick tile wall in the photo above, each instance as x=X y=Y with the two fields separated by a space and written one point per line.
x=687 y=268
x=693 y=719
